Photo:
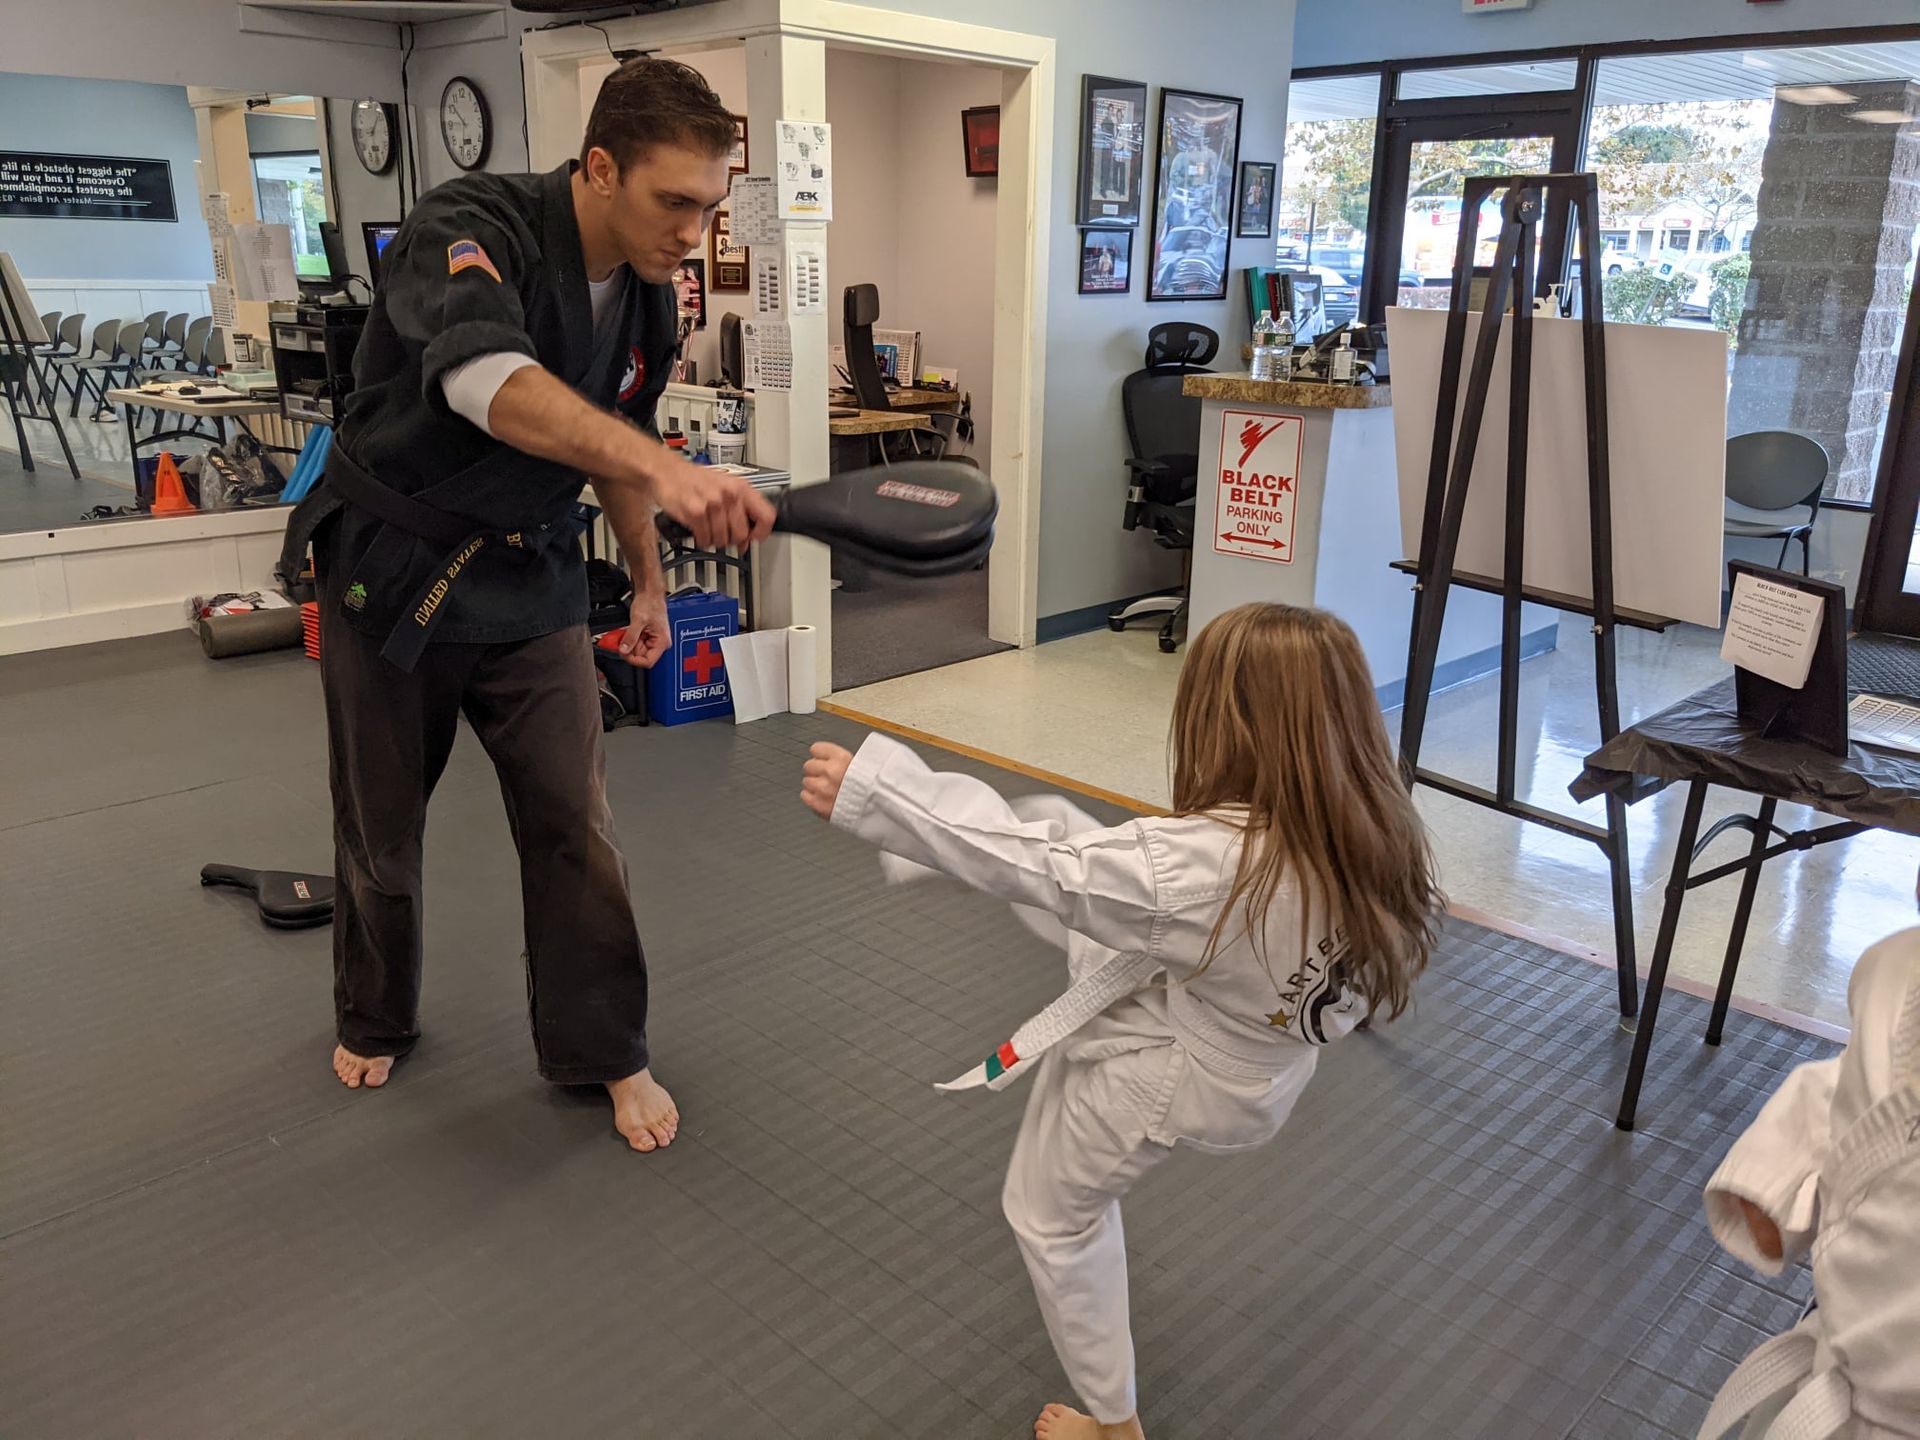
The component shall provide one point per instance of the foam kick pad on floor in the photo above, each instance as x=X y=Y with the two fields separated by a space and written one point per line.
x=1448 y=1239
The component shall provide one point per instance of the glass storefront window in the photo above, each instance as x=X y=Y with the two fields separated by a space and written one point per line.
x=1326 y=181
x=289 y=191
x=1769 y=194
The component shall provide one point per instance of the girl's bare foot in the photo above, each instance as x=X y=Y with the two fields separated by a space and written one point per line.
x=643 y=1112
x=1063 y=1422
x=357 y=1070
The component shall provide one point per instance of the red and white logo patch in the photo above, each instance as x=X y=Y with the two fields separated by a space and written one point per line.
x=634 y=376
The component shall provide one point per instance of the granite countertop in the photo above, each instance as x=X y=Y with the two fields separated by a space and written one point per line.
x=1303 y=394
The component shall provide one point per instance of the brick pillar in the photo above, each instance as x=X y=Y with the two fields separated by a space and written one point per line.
x=1820 y=336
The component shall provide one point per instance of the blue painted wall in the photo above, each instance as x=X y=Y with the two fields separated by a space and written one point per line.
x=106 y=117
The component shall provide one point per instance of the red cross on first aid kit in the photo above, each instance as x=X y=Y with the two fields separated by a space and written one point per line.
x=1259 y=478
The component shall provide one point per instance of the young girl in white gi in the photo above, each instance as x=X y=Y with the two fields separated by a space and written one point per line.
x=1290 y=895
x=1832 y=1165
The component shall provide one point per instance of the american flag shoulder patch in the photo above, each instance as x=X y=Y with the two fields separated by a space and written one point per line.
x=467 y=255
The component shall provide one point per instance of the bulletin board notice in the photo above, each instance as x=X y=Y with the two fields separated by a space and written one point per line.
x=37 y=186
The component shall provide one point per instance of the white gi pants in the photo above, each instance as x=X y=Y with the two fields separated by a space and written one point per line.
x=1107 y=1106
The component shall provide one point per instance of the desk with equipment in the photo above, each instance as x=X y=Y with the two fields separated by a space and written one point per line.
x=203 y=402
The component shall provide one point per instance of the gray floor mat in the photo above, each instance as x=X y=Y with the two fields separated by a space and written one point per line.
x=885 y=626
x=1449 y=1239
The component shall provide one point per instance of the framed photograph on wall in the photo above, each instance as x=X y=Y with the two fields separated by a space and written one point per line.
x=728 y=264
x=1106 y=261
x=1256 y=198
x=737 y=157
x=1193 y=196
x=980 y=129
x=690 y=286
x=1113 y=150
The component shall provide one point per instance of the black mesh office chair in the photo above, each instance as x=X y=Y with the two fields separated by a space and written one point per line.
x=1163 y=432
x=861 y=312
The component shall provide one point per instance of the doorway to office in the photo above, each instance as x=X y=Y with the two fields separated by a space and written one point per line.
x=786 y=47
x=916 y=206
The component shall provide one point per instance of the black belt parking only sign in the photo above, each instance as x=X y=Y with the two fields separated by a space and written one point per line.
x=36 y=186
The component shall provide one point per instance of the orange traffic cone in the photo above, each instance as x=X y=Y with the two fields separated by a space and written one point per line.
x=169 y=492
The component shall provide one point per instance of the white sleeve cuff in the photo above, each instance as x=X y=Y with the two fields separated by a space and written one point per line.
x=470 y=387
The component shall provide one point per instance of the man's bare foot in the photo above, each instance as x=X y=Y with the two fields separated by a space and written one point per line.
x=643 y=1112
x=1063 y=1422
x=357 y=1070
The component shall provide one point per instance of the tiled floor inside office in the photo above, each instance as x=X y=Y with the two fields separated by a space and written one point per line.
x=1094 y=708
x=209 y=1238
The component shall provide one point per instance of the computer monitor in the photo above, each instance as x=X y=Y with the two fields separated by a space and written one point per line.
x=733 y=364
x=378 y=235
x=336 y=252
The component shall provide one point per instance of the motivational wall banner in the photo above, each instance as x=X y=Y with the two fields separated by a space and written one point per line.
x=36 y=186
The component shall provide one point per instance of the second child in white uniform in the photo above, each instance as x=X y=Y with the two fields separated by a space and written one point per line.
x=1211 y=953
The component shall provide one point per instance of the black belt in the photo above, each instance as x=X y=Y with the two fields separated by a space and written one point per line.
x=463 y=537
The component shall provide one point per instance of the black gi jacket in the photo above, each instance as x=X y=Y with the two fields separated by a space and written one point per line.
x=483 y=263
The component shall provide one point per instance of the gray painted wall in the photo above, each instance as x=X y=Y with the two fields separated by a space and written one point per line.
x=360 y=196
x=1341 y=32
x=106 y=117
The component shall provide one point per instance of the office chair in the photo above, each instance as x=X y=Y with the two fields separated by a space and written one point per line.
x=860 y=311
x=1771 y=473
x=1163 y=432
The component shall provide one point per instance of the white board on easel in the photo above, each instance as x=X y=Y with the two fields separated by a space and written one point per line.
x=1667 y=440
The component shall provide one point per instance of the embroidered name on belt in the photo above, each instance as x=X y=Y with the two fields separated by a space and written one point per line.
x=467 y=255
x=424 y=615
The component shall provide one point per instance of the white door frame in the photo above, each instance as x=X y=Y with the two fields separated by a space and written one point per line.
x=1024 y=222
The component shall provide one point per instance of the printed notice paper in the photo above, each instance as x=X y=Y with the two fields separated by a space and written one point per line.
x=1772 y=630
x=754 y=206
x=803 y=169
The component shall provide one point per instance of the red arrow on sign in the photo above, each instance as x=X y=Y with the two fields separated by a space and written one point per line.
x=1249 y=540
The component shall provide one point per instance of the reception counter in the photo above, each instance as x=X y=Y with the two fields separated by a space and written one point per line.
x=1299 y=502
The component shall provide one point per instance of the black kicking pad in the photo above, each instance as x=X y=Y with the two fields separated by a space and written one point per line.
x=898 y=517
x=287 y=901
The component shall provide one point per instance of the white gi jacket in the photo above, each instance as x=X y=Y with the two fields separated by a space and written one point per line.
x=1145 y=894
x=1834 y=1160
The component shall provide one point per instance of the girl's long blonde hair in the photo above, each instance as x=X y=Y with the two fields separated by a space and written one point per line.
x=1276 y=713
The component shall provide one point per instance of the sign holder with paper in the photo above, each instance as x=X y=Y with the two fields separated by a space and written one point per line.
x=1770 y=631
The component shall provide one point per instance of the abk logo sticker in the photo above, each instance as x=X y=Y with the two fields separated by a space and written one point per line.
x=634 y=376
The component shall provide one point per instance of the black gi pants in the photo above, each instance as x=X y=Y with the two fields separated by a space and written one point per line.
x=535 y=707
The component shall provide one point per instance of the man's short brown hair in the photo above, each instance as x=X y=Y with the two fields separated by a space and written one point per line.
x=649 y=102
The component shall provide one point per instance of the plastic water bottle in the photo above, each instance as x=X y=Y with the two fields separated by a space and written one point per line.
x=1283 y=347
x=1263 y=336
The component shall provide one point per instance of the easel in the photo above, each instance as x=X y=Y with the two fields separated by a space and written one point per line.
x=1524 y=209
x=21 y=384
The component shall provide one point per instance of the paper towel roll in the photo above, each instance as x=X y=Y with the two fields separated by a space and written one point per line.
x=802 y=686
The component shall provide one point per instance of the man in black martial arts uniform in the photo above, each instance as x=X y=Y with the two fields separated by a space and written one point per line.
x=522 y=333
